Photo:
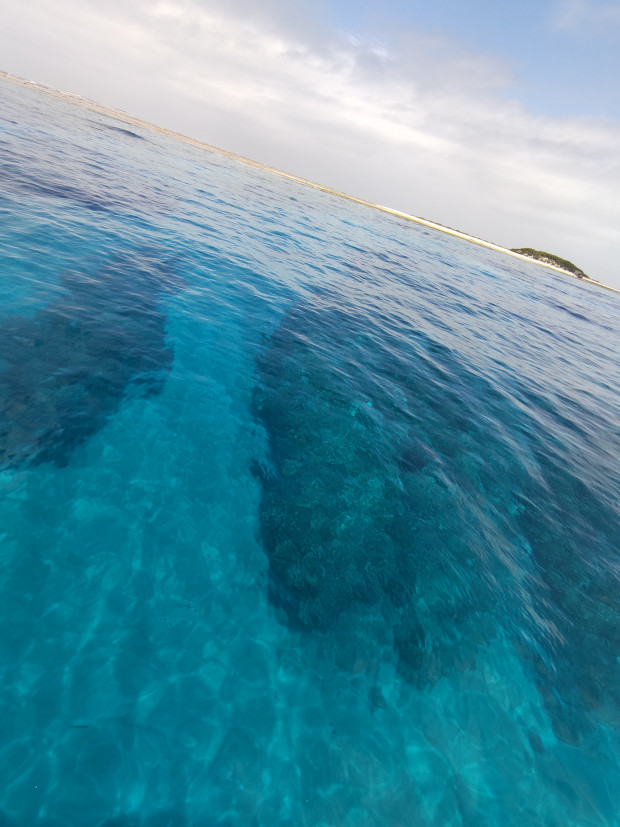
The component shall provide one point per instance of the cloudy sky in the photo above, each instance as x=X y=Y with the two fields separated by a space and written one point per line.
x=498 y=119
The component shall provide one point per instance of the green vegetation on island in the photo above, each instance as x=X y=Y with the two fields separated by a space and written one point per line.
x=549 y=258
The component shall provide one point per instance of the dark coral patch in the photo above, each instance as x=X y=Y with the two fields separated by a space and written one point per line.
x=354 y=510
x=397 y=517
x=64 y=371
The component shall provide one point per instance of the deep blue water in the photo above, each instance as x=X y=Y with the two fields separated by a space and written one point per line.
x=309 y=516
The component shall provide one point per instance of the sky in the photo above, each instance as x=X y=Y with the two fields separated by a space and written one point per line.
x=501 y=120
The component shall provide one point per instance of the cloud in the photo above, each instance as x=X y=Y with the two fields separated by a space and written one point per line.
x=402 y=119
x=573 y=15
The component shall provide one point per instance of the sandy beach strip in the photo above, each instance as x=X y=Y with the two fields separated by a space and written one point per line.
x=78 y=100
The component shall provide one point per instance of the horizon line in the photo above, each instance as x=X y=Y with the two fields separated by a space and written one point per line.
x=87 y=103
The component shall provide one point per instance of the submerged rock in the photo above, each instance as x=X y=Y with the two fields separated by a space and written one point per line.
x=377 y=699
x=65 y=370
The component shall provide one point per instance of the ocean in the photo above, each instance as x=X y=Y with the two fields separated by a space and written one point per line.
x=309 y=515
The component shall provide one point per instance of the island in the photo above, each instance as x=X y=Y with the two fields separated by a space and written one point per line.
x=549 y=258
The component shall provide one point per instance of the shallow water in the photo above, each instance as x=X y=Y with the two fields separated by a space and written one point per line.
x=309 y=515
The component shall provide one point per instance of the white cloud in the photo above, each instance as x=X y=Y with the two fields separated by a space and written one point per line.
x=405 y=120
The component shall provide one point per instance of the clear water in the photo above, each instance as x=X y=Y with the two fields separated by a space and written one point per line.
x=309 y=516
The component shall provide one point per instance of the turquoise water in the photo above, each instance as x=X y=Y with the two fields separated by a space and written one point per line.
x=309 y=515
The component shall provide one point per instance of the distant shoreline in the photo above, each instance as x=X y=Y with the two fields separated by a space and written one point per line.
x=122 y=116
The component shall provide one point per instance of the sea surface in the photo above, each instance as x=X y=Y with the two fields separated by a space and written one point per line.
x=309 y=516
